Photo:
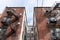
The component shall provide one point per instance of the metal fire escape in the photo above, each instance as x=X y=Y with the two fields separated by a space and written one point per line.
x=6 y=21
x=53 y=21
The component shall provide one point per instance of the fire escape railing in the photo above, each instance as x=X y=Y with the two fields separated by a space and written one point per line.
x=52 y=20
x=6 y=21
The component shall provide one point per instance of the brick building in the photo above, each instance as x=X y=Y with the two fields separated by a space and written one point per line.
x=44 y=30
x=18 y=25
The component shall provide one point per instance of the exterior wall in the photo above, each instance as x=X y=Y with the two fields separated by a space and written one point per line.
x=30 y=33
x=23 y=33
x=18 y=11
x=42 y=31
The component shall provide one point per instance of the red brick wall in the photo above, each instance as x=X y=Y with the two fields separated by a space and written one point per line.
x=41 y=24
x=18 y=10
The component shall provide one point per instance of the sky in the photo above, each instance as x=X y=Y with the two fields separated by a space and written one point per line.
x=28 y=4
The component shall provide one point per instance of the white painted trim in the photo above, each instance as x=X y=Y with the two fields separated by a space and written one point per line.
x=35 y=25
x=34 y=21
x=20 y=37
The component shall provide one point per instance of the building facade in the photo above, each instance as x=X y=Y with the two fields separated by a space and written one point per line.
x=14 y=30
x=46 y=30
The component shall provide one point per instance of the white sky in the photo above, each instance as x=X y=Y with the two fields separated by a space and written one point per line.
x=29 y=4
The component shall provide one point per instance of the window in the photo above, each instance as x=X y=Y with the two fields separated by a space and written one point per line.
x=55 y=33
x=30 y=30
x=58 y=32
x=52 y=20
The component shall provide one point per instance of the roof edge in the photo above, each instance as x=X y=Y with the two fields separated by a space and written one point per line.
x=14 y=7
x=44 y=7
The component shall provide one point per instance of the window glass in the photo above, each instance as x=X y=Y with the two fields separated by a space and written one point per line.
x=57 y=29
x=55 y=33
x=58 y=32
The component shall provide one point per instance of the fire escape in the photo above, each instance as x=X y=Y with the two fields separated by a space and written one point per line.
x=6 y=21
x=53 y=21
